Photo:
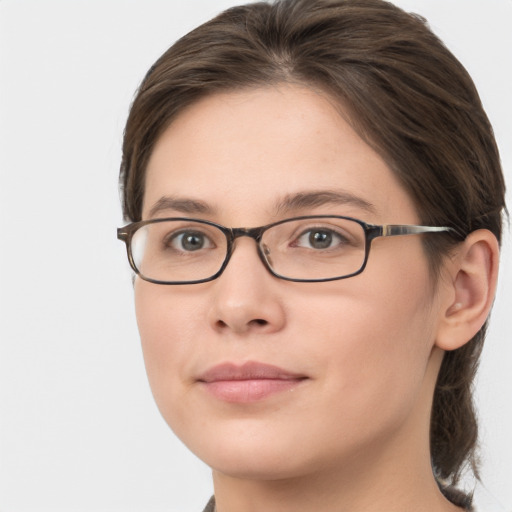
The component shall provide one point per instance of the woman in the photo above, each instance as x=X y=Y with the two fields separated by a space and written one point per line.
x=327 y=363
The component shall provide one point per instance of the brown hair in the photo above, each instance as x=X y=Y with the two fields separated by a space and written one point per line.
x=404 y=93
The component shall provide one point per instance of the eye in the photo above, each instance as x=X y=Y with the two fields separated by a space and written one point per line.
x=189 y=241
x=319 y=238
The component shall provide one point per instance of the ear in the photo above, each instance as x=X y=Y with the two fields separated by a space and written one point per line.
x=468 y=290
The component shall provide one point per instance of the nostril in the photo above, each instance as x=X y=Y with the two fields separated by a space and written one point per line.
x=257 y=323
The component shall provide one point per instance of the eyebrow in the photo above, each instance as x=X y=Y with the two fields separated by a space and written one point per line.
x=182 y=205
x=305 y=200
x=290 y=202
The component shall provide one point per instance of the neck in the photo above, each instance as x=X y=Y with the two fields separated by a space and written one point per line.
x=358 y=487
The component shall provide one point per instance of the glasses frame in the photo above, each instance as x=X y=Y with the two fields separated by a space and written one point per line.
x=372 y=231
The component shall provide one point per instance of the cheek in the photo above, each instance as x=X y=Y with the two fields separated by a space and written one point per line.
x=166 y=326
x=373 y=342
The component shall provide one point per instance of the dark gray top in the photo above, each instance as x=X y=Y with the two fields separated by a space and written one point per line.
x=210 y=506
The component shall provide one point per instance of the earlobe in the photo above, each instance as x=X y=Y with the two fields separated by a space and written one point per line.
x=470 y=289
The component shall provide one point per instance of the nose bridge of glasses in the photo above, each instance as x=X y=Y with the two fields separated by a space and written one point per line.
x=254 y=233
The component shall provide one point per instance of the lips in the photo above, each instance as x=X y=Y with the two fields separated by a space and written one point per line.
x=249 y=382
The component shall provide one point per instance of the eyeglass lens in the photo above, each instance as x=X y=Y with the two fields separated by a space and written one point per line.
x=310 y=249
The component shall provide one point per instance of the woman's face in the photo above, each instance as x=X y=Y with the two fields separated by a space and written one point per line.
x=266 y=378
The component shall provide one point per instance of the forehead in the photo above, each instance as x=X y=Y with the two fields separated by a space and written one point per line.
x=246 y=152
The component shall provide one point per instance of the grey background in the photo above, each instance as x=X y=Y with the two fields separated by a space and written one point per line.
x=78 y=427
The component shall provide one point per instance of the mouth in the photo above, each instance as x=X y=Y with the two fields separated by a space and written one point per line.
x=249 y=382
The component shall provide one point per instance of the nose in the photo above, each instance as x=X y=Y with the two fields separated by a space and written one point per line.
x=246 y=298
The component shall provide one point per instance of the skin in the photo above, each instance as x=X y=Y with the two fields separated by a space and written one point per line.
x=354 y=434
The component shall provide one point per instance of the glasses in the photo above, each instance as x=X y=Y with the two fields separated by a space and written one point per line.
x=304 y=249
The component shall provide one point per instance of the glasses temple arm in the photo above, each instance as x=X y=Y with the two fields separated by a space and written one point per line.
x=407 y=229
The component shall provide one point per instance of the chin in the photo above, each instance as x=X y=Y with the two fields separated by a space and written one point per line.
x=267 y=454
x=259 y=466
x=257 y=453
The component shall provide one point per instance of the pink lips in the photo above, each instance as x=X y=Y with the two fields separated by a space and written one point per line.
x=249 y=382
